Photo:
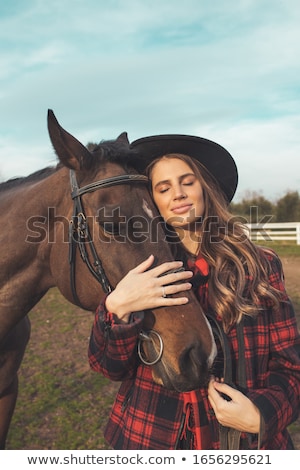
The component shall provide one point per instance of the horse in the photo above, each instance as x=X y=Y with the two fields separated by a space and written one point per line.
x=81 y=226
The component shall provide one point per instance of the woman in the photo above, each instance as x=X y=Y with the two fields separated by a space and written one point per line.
x=192 y=181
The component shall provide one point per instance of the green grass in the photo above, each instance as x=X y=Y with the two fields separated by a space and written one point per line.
x=61 y=413
x=282 y=248
x=62 y=404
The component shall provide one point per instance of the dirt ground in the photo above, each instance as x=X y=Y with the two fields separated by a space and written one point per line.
x=291 y=268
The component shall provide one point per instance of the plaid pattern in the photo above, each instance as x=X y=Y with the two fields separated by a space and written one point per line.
x=148 y=416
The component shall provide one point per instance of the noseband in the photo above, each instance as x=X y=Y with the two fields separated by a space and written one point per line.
x=79 y=233
x=146 y=337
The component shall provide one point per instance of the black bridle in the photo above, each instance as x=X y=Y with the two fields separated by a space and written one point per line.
x=80 y=235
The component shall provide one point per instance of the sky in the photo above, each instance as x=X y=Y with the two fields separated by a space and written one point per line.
x=225 y=70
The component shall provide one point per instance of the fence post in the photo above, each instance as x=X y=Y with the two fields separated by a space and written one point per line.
x=298 y=233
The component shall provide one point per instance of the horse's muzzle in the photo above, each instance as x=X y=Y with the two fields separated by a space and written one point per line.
x=193 y=363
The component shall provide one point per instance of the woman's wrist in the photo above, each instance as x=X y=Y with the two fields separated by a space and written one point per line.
x=112 y=305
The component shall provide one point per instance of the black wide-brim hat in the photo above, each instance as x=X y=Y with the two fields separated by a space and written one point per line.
x=216 y=159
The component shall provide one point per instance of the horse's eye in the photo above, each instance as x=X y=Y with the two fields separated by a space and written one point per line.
x=111 y=228
x=110 y=221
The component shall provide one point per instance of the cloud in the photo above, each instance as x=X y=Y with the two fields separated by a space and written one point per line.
x=266 y=154
x=228 y=71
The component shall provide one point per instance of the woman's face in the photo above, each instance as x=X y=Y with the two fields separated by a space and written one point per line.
x=177 y=192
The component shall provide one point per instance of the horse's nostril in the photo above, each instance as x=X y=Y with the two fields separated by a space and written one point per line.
x=193 y=364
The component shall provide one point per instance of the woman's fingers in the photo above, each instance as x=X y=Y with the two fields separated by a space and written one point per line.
x=143 y=288
x=175 y=288
x=157 y=270
x=160 y=273
x=142 y=267
x=239 y=412
x=163 y=269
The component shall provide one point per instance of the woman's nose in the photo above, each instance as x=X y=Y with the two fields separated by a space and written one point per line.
x=179 y=193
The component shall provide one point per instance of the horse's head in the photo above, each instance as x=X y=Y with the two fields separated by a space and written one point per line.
x=124 y=229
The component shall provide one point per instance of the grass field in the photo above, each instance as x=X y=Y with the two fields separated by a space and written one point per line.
x=63 y=404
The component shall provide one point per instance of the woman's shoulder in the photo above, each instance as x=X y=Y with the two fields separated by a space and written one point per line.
x=271 y=259
x=268 y=253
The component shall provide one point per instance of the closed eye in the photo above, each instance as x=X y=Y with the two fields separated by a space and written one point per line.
x=188 y=180
x=185 y=180
x=163 y=190
x=111 y=228
x=110 y=220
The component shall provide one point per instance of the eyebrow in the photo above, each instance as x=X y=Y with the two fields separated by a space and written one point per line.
x=168 y=181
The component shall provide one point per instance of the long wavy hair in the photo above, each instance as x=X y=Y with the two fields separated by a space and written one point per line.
x=239 y=269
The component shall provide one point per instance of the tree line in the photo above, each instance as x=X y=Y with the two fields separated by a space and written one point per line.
x=254 y=207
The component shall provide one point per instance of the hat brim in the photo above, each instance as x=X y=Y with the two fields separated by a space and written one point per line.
x=213 y=156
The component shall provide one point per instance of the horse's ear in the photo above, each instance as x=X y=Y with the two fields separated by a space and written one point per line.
x=123 y=138
x=69 y=150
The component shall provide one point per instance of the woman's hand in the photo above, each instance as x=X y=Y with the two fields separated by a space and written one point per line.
x=239 y=413
x=143 y=288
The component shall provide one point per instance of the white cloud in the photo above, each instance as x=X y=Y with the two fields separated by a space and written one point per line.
x=21 y=160
x=228 y=71
x=266 y=154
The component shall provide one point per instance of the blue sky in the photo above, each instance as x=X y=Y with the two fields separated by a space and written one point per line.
x=226 y=70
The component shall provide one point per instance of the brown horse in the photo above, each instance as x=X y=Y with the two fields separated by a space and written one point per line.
x=109 y=227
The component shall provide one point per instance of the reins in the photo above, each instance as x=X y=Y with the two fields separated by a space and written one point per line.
x=229 y=437
x=80 y=235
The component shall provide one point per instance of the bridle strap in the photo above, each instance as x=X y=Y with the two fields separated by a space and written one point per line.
x=79 y=233
x=229 y=437
x=111 y=181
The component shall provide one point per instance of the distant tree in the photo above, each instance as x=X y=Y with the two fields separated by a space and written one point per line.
x=288 y=208
x=254 y=207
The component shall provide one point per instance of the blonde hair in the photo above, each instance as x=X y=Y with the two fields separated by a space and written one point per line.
x=239 y=270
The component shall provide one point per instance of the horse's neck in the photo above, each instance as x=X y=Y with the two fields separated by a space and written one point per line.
x=51 y=192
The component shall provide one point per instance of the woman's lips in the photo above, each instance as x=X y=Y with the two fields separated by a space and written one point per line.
x=181 y=209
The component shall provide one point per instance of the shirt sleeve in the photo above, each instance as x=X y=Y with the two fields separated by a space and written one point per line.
x=113 y=345
x=279 y=401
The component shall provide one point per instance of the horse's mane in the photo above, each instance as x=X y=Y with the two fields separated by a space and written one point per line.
x=115 y=151
x=32 y=178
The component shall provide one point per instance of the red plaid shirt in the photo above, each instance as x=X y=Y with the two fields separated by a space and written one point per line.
x=148 y=416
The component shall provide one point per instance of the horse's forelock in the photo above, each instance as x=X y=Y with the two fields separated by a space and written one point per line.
x=113 y=151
